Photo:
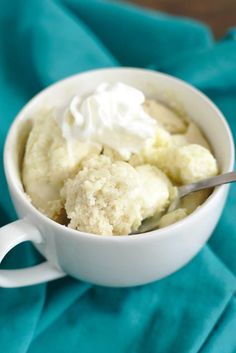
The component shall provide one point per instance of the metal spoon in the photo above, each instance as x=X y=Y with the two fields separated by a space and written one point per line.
x=153 y=222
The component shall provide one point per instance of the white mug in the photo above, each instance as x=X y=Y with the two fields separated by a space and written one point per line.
x=111 y=260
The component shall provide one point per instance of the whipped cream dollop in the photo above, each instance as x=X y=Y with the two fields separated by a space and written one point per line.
x=112 y=115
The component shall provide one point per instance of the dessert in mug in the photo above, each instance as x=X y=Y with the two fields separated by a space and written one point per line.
x=104 y=162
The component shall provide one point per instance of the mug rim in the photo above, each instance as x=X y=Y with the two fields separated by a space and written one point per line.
x=160 y=233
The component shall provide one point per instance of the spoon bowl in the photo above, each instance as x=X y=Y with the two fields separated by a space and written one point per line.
x=152 y=223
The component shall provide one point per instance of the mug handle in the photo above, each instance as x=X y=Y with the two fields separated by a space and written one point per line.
x=13 y=234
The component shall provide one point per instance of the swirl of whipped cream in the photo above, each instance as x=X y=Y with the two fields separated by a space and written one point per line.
x=113 y=116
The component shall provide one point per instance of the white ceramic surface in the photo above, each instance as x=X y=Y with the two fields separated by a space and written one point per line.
x=112 y=261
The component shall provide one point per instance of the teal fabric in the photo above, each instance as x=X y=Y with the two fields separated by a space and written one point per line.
x=193 y=310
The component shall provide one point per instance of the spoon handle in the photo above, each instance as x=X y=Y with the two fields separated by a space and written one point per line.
x=207 y=183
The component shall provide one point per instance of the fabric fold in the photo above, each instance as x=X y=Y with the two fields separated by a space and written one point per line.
x=221 y=337
x=139 y=37
x=61 y=44
x=191 y=311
